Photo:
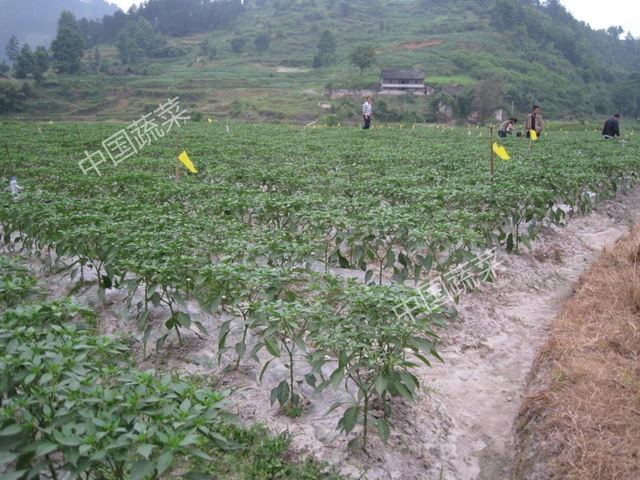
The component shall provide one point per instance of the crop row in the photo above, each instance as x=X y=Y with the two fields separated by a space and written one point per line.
x=269 y=205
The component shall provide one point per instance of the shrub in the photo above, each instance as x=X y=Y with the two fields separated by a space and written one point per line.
x=196 y=116
x=11 y=96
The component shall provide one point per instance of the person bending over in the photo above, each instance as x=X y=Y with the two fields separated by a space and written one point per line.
x=506 y=127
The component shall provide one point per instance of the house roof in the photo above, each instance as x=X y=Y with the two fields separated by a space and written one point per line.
x=403 y=74
x=127 y=72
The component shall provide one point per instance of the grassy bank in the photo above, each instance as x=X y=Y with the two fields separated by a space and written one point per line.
x=582 y=417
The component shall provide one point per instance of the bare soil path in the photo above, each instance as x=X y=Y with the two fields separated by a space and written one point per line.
x=499 y=332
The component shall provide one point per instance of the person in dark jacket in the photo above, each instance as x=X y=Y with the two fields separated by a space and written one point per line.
x=534 y=121
x=612 y=127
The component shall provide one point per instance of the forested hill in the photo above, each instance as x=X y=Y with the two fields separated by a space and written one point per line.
x=227 y=56
x=34 y=21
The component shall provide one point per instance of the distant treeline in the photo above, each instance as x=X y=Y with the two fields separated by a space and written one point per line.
x=175 y=18
x=592 y=51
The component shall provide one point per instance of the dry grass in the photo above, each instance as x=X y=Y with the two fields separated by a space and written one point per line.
x=582 y=420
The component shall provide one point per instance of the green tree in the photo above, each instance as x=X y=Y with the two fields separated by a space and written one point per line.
x=67 y=51
x=11 y=96
x=237 y=44
x=125 y=42
x=135 y=53
x=26 y=63
x=615 y=32
x=327 y=45
x=503 y=14
x=41 y=64
x=144 y=36
x=362 y=56
x=13 y=50
x=464 y=103
x=96 y=57
x=262 y=42
x=137 y=40
x=67 y=19
x=626 y=95
x=488 y=97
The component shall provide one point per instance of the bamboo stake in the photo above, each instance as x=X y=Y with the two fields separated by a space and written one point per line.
x=491 y=151
x=177 y=159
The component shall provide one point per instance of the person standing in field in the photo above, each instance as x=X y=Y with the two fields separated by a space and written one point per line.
x=534 y=121
x=612 y=127
x=367 y=113
x=507 y=127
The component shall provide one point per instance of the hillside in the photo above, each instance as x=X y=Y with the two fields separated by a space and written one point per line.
x=523 y=53
x=34 y=21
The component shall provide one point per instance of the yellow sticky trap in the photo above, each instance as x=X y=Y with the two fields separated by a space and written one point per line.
x=184 y=158
x=534 y=135
x=50 y=122
x=209 y=120
x=500 y=151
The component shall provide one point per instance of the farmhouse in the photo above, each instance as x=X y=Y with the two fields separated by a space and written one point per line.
x=402 y=81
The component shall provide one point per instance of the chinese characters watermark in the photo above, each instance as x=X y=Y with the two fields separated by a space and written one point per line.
x=128 y=142
x=465 y=277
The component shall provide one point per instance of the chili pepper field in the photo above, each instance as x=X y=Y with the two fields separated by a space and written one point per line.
x=297 y=260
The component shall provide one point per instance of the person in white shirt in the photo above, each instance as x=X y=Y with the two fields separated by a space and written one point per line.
x=366 y=113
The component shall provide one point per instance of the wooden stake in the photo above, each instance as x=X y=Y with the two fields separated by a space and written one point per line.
x=491 y=151
x=177 y=159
